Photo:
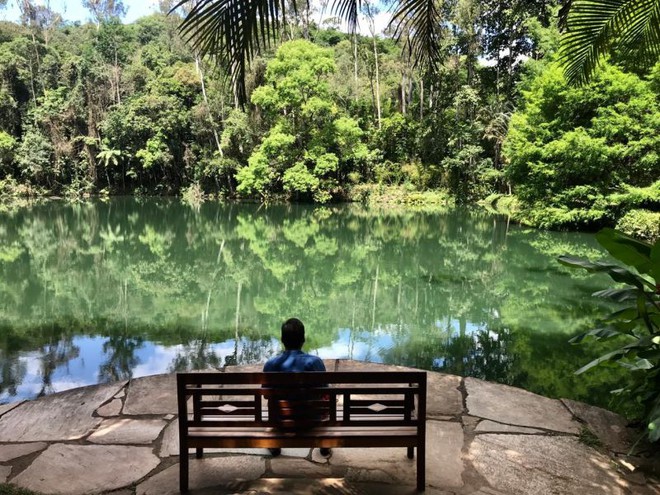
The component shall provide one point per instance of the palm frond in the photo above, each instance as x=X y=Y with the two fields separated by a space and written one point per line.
x=232 y=32
x=421 y=22
x=593 y=27
x=642 y=38
x=348 y=10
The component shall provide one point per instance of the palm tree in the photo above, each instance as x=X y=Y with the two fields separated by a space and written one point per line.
x=234 y=31
x=592 y=28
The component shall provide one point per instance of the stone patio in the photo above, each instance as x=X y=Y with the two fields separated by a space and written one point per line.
x=482 y=439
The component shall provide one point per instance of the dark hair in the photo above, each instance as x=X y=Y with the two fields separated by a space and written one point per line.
x=293 y=334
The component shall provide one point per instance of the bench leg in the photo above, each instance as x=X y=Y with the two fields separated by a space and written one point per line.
x=411 y=452
x=183 y=473
x=421 y=468
x=199 y=453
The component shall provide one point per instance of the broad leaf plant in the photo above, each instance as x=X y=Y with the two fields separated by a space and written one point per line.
x=637 y=321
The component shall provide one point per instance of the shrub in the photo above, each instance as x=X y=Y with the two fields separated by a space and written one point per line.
x=643 y=224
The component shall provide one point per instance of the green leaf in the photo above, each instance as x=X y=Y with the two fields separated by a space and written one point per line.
x=600 y=334
x=655 y=264
x=617 y=295
x=639 y=364
x=626 y=249
x=616 y=272
x=610 y=356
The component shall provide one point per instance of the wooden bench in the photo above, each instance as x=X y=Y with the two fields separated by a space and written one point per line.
x=342 y=409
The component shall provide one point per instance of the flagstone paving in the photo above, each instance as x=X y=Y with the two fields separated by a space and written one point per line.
x=482 y=439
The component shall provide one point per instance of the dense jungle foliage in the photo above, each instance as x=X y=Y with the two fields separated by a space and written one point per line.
x=113 y=108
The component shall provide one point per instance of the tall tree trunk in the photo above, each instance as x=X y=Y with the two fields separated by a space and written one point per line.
x=421 y=99
x=214 y=128
x=355 y=65
x=377 y=80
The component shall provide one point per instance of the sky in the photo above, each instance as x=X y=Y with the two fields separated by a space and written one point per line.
x=72 y=10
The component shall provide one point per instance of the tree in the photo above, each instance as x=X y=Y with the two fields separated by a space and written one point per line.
x=583 y=156
x=309 y=143
x=235 y=32
x=104 y=10
x=593 y=28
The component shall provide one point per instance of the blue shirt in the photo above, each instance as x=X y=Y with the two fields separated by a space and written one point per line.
x=296 y=361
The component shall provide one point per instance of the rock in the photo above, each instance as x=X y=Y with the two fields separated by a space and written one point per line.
x=492 y=427
x=444 y=465
x=442 y=395
x=350 y=365
x=86 y=469
x=389 y=464
x=113 y=408
x=5 y=471
x=537 y=465
x=298 y=468
x=248 y=368
x=127 y=431
x=14 y=451
x=610 y=428
x=57 y=417
x=218 y=471
x=280 y=486
x=518 y=407
x=170 y=443
x=5 y=408
x=151 y=395
x=374 y=488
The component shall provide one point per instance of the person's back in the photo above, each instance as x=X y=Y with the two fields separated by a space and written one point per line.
x=292 y=411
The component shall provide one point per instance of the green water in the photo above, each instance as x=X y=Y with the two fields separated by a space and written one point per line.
x=100 y=291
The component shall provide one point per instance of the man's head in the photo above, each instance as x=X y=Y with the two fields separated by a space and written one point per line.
x=293 y=334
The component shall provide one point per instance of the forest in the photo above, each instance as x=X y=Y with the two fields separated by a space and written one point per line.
x=110 y=108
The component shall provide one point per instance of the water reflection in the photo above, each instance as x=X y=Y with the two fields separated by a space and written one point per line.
x=99 y=292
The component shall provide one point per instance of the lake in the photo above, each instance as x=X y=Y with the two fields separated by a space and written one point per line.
x=100 y=291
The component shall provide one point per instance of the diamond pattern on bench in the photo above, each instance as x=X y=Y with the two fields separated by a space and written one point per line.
x=377 y=407
x=227 y=408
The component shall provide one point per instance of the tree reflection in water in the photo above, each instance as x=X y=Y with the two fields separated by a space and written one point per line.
x=460 y=291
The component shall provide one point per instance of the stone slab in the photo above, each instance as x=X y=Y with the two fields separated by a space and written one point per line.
x=170 y=444
x=537 y=465
x=374 y=488
x=86 y=469
x=444 y=464
x=389 y=465
x=5 y=471
x=112 y=408
x=488 y=426
x=5 y=408
x=210 y=472
x=57 y=417
x=610 y=428
x=442 y=395
x=282 y=486
x=151 y=395
x=351 y=365
x=127 y=431
x=248 y=368
x=298 y=468
x=518 y=407
x=10 y=452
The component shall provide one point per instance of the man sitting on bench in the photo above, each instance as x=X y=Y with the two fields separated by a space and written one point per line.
x=293 y=359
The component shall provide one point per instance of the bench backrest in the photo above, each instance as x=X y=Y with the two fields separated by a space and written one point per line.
x=302 y=400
